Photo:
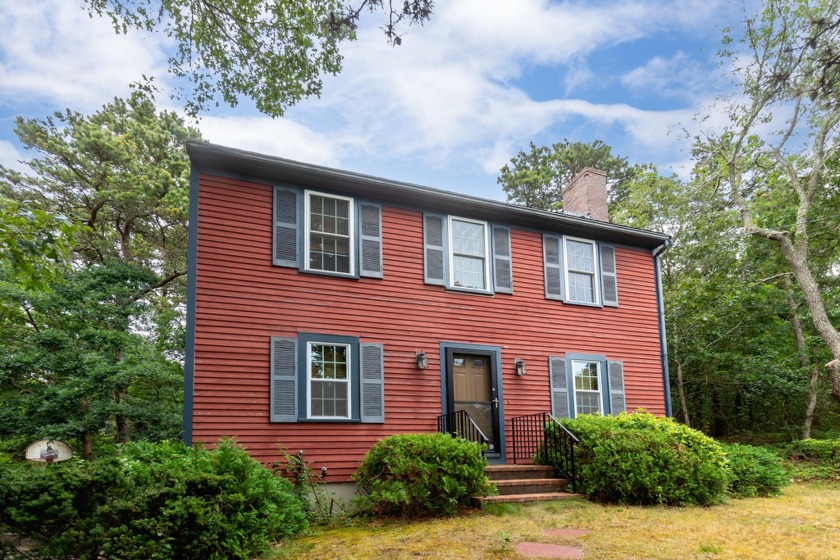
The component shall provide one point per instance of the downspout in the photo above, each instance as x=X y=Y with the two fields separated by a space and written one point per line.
x=189 y=350
x=663 y=345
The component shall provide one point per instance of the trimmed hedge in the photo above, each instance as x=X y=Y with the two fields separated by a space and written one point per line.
x=152 y=501
x=421 y=474
x=754 y=471
x=643 y=459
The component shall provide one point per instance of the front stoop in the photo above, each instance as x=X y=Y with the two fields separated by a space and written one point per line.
x=524 y=483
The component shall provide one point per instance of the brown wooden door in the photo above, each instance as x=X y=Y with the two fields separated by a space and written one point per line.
x=473 y=391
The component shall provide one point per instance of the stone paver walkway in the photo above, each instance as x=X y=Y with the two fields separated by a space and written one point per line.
x=561 y=551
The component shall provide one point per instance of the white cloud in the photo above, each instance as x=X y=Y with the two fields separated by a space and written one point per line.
x=51 y=51
x=281 y=137
x=11 y=157
x=678 y=76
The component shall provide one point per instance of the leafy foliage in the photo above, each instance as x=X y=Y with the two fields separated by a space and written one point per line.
x=72 y=367
x=755 y=471
x=814 y=459
x=421 y=474
x=643 y=459
x=153 y=500
x=536 y=178
x=272 y=52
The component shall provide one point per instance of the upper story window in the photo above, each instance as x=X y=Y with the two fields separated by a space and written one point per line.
x=466 y=255
x=329 y=233
x=580 y=271
x=469 y=249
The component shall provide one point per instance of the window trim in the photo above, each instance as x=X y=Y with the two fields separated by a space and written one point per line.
x=308 y=379
x=599 y=378
x=354 y=369
x=488 y=280
x=351 y=226
x=596 y=273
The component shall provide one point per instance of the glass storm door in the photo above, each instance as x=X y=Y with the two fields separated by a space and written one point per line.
x=472 y=390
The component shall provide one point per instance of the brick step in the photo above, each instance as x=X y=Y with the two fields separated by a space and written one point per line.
x=509 y=472
x=521 y=498
x=531 y=485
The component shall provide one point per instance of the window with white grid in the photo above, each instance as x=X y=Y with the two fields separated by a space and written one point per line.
x=469 y=243
x=580 y=271
x=329 y=233
x=328 y=367
x=587 y=376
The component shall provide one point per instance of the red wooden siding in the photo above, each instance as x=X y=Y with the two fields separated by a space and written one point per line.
x=242 y=300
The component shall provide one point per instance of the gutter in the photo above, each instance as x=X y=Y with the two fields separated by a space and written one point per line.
x=663 y=344
x=189 y=350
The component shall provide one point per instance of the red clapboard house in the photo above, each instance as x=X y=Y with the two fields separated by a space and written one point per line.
x=329 y=309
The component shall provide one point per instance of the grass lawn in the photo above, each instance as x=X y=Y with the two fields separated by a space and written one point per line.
x=804 y=522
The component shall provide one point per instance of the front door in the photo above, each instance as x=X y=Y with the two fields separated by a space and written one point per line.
x=472 y=388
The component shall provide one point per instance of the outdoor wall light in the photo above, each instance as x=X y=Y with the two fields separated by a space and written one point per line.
x=520 y=367
x=422 y=360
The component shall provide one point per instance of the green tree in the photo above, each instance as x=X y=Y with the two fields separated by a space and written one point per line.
x=273 y=52
x=34 y=243
x=536 y=177
x=774 y=162
x=122 y=175
x=74 y=363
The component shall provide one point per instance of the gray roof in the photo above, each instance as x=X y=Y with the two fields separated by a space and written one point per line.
x=210 y=158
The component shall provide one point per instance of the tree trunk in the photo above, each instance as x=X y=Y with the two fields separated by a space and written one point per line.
x=122 y=424
x=681 y=392
x=87 y=437
x=804 y=361
x=797 y=258
x=812 y=402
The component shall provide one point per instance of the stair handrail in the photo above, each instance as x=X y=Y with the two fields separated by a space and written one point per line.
x=457 y=423
x=528 y=441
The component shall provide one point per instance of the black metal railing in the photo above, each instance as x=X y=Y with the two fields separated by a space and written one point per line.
x=460 y=424
x=542 y=439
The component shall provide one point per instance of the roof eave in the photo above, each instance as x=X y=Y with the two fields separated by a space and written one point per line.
x=212 y=157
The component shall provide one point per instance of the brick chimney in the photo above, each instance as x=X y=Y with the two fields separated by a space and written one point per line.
x=586 y=195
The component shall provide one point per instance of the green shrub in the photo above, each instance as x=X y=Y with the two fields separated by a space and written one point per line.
x=155 y=500
x=644 y=459
x=814 y=459
x=755 y=471
x=421 y=474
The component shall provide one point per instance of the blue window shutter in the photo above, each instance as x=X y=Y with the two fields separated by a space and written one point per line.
x=435 y=256
x=502 y=269
x=553 y=265
x=617 y=399
x=373 y=384
x=283 y=379
x=559 y=387
x=286 y=222
x=609 y=280
x=371 y=240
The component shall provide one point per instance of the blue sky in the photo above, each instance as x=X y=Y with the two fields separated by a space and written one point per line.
x=459 y=98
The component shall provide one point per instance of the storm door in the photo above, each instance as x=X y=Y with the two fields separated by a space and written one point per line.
x=472 y=388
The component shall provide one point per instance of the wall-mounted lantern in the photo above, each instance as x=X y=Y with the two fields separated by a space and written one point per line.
x=422 y=360
x=520 y=367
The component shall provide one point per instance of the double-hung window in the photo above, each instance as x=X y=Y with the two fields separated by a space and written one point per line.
x=327 y=233
x=469 y=243
x=329 y=379
x=330 y=227
x=586 y=384
x=580 y=271
x=467 y=255
x=326 y=378
x=587 y=375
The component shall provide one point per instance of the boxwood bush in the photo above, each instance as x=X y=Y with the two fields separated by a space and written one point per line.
x=152 y=501
x=421 y=474
x=754 y=471
x=643 y=459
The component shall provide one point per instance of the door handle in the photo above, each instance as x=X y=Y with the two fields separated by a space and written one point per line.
x=495 y=402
